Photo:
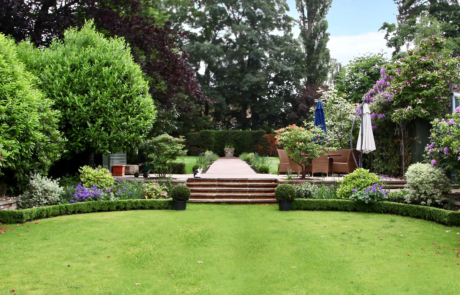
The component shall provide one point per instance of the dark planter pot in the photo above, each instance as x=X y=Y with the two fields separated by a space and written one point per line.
x=285 y=205
x=180 y=205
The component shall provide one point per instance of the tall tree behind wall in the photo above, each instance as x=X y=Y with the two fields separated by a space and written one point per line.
x=313 y=27
x=246 y=59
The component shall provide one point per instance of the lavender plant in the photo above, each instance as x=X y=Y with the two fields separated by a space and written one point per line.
x=370 y=194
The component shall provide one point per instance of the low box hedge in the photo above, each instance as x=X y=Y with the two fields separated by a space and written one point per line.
x=20 y=216
x=428 y=213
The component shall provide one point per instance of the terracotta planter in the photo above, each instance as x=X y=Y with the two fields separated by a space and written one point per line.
x=118 y=170
x=229 y=152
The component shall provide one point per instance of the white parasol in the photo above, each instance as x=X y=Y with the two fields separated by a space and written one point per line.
x=368 y=143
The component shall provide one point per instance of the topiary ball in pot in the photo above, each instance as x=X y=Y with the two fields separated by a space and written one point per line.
x=264 y=169
x=180 y=194
x=285 y=194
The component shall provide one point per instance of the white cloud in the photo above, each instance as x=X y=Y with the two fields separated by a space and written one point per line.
x=345 y=48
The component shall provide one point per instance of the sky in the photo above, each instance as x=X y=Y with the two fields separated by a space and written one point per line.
x=354 y=27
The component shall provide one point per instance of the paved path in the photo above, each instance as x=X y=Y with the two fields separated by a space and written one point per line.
x=233 y=168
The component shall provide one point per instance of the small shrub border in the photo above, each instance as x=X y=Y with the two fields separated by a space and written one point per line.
x=442 y=216
x=19 y=216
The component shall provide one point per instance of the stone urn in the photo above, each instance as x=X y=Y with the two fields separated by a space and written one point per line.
x=229 y=152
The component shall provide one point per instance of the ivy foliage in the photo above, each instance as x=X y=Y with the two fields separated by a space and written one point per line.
x=98 y=88
x=29 y=139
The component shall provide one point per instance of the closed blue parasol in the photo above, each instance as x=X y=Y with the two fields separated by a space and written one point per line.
x=319 y=116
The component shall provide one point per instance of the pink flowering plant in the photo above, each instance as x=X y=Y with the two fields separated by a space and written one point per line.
x=302 y=145
x=444 y=148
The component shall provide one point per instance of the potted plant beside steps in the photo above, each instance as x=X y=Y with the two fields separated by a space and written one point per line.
x=285 y=194
x=180 y=194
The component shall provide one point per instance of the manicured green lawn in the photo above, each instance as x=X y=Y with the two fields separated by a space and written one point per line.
x=250 y=249
x=189 y=161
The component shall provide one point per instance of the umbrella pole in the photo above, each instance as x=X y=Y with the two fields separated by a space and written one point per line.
x=362 y=136
x=351 y=136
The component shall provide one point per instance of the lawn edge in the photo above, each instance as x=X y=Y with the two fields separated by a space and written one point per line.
x=441 y=216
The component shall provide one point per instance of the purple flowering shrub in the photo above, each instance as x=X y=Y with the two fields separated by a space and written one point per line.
x=370 y=194
x=79 y=193
x=358 y=180
x=444 y=147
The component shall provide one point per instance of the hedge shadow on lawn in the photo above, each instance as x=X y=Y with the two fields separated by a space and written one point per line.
x=441 y=216
x=20 y=216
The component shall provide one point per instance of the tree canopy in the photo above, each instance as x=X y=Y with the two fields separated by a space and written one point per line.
x=29 y=139
x=99 y=90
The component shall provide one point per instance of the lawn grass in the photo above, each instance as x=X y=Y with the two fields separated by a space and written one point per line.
x=189 y=161
x=250 y=249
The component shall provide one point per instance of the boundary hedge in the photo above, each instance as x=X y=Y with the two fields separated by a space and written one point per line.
x=422 y=212
x=215 y=140
x=20 y=216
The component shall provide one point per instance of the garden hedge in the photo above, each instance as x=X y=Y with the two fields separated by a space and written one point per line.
x=19 y=216
x=428 y=213
x=215 y=140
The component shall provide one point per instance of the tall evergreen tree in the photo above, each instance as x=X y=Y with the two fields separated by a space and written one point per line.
x=313 y=27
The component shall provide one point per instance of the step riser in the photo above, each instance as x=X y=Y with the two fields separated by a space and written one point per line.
x=230 y=187
x=196 y=180
x=246 y=196
x=232 y=190
x=230 y=198
x=226 y=201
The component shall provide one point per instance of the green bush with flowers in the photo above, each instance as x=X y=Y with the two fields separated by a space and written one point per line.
x=98 y=177
x=370 y=194
x=444 y=149
x=358 y=180
x=302 y=145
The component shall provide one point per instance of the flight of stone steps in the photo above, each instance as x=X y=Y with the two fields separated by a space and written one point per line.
x=232 y=191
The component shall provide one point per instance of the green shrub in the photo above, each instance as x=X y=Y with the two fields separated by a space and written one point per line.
x=180 y=193
x=442 y=216
x=397 y=196
x=98 y=177
x=176 y=168
x=207 y=140
x=40 y=192
x=371 y=194
x=325 y=192
x=99 y=89
x=153 y=190
x=29 y=137
x=244 y=157
x=212 y=156
x=21 y=216
x=426 y=184
x=285 y=192
x=163 y=150
x=305 y=190
x=358 y=179
x=264 y=168
x=250 y=157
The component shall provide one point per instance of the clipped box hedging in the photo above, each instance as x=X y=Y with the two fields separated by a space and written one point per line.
x=19 y=216
x=215 y=140
x=423 y=212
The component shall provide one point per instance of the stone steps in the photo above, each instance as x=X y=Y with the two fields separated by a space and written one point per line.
x=232 y=191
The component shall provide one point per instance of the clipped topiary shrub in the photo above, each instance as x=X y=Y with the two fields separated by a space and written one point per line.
x=285 y=192
x=264 y=168
x=40 y=192
x=426 y=184
x=358 y=180
x=180 y=193
x=98 y=177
